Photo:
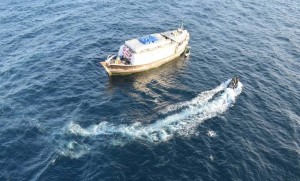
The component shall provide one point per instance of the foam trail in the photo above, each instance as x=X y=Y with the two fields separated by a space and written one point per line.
x=183 y=123
x=201 y=99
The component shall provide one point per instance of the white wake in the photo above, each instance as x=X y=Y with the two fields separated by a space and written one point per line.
x=189 y=115
x=200 y=100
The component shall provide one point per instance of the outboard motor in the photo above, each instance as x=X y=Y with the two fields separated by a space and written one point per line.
x=234 y=82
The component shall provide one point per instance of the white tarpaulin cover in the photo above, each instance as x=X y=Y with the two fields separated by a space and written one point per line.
x=153 y=55
x=177 y=36
x=159 y=46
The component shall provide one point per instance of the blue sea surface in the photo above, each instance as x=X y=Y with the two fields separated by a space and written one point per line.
x=63 y=118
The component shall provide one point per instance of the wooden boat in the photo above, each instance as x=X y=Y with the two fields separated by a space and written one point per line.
x=148 y=52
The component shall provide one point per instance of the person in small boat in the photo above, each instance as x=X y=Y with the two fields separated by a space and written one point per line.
x=234 y=81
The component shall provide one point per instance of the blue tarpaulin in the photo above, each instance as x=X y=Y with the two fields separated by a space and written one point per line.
x=148 y=39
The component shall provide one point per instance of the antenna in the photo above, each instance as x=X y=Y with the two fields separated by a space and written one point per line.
x=181 y=25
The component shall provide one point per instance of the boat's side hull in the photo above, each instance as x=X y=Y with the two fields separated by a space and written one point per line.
x=130 y=69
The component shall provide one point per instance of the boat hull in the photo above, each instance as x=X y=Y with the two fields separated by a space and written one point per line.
x=115 y=69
